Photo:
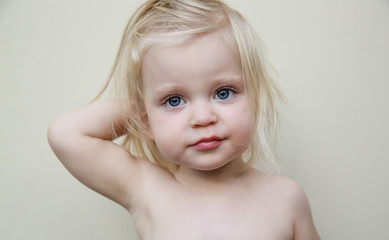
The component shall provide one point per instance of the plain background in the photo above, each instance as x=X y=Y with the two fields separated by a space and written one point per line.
x=333 y=61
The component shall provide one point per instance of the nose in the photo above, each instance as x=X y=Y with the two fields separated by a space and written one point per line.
x=202 y=115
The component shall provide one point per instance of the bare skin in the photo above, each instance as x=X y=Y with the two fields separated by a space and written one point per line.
x=208 y=197
x=217 y=205
x=247 y=206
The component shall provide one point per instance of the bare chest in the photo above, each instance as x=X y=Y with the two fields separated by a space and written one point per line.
x=232 y=216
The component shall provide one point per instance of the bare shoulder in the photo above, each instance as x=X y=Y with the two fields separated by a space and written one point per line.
x=281 y=187
x=288 y=189
x=291 y=198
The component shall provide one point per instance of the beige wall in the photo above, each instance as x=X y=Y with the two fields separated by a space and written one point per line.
x=333 y=59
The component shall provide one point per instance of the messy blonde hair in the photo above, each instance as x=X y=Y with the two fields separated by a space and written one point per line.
x=160 y=18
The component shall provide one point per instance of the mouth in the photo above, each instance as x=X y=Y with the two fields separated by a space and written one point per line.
x=207 y=143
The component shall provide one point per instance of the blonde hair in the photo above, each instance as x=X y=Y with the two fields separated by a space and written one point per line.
x=160 y=18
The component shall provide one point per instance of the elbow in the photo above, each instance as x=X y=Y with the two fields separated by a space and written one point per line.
x=58 y=135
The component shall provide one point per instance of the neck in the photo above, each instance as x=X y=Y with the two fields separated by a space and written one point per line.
x=227 y=176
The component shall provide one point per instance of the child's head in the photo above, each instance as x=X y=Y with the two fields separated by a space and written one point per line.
x=180 y=20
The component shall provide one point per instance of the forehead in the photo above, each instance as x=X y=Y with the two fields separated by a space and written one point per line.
x=197 y=54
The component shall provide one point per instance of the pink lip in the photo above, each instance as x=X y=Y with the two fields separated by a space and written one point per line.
x=207 y=143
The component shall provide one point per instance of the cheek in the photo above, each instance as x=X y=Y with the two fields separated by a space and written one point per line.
x=242 y=112
x=166 y=131
x=167 y=143
x=243 y=123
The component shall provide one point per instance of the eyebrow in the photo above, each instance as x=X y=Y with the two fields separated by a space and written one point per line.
x=168 y=88
x=231 y=80
x=228 y=80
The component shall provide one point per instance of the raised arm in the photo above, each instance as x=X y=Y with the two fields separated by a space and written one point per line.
x=82 y=140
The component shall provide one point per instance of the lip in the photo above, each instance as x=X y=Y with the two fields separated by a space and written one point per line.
x=208 y=143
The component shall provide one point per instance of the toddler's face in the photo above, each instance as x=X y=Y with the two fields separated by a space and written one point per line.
x=196 y=103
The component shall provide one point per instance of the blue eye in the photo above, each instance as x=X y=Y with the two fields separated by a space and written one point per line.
x=223 y=94
x=174 y=101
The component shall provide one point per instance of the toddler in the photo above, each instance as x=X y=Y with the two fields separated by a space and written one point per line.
x=196 y=106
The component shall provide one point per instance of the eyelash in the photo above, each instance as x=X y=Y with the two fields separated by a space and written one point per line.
x=166 y=99
x=233 y=90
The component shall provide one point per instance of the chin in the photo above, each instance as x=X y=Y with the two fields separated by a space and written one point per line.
x=211 y=167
